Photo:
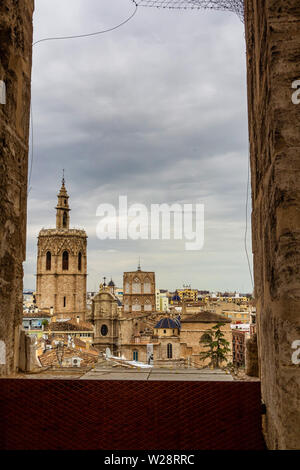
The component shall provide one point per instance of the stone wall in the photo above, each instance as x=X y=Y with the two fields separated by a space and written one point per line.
x=15 y=72
x=251 y=357
x=273 y=62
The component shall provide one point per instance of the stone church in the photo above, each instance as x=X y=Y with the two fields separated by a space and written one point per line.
x=62 y=264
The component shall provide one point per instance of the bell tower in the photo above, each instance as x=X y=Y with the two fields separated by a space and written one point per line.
x=62 y=264
x=62 y=208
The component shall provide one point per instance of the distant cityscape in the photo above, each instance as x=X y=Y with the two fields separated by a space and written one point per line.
x=133 y=325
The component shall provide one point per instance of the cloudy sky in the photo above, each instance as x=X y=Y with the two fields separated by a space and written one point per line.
x=155 y=110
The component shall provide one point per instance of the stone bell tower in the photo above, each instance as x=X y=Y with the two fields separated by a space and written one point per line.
x=62 y=264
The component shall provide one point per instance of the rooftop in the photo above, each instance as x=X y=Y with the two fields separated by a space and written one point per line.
x=204 y=317
x=71 y=325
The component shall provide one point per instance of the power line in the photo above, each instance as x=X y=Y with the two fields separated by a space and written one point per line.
x=59 y=38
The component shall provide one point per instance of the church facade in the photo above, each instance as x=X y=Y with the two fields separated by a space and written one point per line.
x=62 y=264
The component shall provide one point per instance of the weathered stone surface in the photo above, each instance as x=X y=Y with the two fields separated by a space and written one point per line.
x=15 y=71
x=273 y=58
x=252 y=357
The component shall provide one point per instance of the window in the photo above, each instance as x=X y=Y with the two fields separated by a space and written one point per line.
x=65 y=220
x=65 y=301
x=136 y=307
x=135 y=355
x=136 y=286
x=104 y=330
x=79 y=261
x=147 y=286
x=169 y=351
x=48 y=261
x=65 y=260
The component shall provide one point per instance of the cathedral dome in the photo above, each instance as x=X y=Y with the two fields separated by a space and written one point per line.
x=166 y=323
x=176 y=298
x=111 y=283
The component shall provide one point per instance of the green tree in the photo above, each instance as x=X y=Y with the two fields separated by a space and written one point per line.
x=45 y=322
x=217 y=347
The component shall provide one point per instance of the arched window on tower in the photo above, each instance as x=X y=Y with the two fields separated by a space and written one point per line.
x=136 y=286
x=169 y=351
x=65 y=260
x=147 y=286
x=65 y=220
x=48 y=261
x=79 y=261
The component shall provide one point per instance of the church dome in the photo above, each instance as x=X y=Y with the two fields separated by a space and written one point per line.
x=176 y=297
x=166 y=323
x=111 y=283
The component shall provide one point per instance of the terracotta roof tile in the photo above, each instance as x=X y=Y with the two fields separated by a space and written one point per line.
x=204 y=317
x=49 y=358
x=70 y=325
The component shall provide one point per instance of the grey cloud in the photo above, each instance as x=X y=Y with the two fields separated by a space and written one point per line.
x=155 y=110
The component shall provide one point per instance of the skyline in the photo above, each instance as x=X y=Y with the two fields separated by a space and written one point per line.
x=169 y=86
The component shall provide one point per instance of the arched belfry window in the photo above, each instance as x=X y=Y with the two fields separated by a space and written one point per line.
x=48 y=261
x=65 y=220
x=136 y=306
x=79 y=261
x=136 y=286
x=169 y=351
x=147 y=286
x=65 y=260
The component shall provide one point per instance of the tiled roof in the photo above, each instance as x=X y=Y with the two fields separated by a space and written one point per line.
x=70 y=325
x=39 y=314
x=49 y=358
x=204 y=317
x=166 y=323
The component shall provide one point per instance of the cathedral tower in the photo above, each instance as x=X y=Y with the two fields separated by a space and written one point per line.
x=139 y=292
x=62 y=264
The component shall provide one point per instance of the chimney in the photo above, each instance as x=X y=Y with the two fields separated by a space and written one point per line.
x=51 y=310
x=78 y=318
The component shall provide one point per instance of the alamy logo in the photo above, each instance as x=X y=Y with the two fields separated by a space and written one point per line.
x=296 y=354
x=296 y=94
x=159 y=222
x=2 y=92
